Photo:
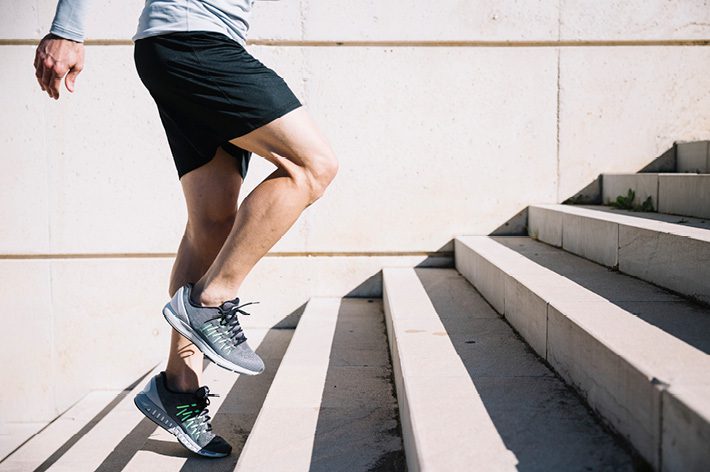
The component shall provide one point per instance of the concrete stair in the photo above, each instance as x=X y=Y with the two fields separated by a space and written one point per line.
x=671 y=193
x=677 y=183
x=535 y=354
x=471 y=392
x=636 y=353
x=666 y=250
x=326 y=402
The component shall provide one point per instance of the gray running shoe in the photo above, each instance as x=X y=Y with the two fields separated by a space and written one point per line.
x=183 y=415
x=215 y=331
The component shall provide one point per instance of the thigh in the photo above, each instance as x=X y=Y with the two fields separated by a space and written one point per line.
x=294 y=136
x=212 y=190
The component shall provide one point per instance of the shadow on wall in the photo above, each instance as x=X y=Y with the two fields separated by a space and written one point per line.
x=591 y=194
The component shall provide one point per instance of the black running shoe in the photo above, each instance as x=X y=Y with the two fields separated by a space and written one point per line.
x=215 y=331
x=182 y=414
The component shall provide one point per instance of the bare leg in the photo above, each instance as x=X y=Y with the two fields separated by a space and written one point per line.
x=211 y=193
x=306 y=165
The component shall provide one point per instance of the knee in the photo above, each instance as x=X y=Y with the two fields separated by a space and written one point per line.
x=320 y=173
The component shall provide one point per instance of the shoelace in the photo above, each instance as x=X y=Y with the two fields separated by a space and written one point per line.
x=230 y=320
x=199 y=422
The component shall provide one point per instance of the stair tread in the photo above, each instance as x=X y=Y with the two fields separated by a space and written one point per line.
x=440 y=405
x=695 y=228
x=516 y=386
x=665 y=253
x=60 y=433
x=670 y=358
x=689 y=221
x=330 y=406
x=13 y=437
x=690 y=321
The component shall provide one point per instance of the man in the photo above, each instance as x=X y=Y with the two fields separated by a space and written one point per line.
x=218 y=105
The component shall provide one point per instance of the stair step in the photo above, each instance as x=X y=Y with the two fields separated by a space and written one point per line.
x=674 y=256
x=440 y=408
x=54 y=438
x=124 y=439
x=290 y=410
x=625 y=367
x=677 y=194
x=330 y=406
x=14 y=434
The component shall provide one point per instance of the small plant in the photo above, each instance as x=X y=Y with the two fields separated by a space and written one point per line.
x=626 y=202
x=647 y=205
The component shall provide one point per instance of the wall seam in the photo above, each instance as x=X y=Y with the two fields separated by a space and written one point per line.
x=162 y=255
x=557 y=112
x=50 y=281
x=413 y=43
x=557 y=125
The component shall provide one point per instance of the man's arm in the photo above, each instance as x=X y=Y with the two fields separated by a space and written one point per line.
x=69 y=19
x=61 y=52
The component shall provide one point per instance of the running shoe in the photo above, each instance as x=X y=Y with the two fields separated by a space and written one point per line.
x=182 y=414
x=215 y=331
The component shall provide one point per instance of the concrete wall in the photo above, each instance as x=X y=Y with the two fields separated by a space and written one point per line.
x=448 y=118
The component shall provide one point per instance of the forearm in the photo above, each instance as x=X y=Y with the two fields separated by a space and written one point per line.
x=69 y=19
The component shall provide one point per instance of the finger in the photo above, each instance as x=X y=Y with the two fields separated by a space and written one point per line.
x=38 y=75
x=39 y=70
x=70 y=80
x=56 y=84
x=47 y=65
x=46 y=80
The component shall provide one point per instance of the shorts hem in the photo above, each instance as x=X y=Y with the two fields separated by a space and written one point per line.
x=278 y=113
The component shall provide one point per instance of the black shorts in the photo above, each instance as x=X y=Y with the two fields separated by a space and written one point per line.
x=209 y=90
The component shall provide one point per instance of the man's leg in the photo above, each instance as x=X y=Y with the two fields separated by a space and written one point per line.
x=211 y=193
x=305 y=167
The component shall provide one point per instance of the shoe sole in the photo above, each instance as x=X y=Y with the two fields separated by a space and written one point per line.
x=161 y=418
x=187 y=331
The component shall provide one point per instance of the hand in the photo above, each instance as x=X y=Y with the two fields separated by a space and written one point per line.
x=56 y=57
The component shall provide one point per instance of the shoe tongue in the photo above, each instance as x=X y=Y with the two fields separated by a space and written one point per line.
x=229 y=304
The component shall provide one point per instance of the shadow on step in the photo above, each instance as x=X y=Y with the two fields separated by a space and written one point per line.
x=538 y=417
x=685 y=320
x=56 y=455
x=233 y=421
x=358 y=422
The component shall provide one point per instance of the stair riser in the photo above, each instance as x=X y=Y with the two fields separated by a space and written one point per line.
x=693 y=156
x=676 y=194
x=687 y=195
x=674 y=261
x=685 y=432
x=624 y=396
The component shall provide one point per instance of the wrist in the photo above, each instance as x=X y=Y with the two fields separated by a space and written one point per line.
x=54 y=36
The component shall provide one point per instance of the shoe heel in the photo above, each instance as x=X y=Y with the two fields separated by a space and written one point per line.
x=155 y=414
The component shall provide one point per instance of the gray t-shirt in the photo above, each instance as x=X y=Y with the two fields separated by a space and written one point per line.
x=230 y=17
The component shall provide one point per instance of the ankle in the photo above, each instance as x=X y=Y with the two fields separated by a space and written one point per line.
x=181 y=382
x=211 y=295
